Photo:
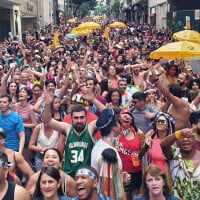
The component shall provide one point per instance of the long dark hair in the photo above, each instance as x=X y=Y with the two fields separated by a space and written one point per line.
x=109 y=96
x=170 y=121
x=52 y=172
x=17 y=91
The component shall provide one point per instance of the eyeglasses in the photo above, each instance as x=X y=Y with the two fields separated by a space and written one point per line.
x=162 y=121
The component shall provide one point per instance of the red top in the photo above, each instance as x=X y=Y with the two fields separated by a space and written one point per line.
x=129 y=148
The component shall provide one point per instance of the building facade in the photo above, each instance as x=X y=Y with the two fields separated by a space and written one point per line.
x=17 y=16
x=157 y=13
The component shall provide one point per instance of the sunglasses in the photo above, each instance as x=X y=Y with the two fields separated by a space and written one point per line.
x=162 y=121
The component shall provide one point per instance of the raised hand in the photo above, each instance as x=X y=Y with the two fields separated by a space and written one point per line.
x=87 y=94
x=47 y=97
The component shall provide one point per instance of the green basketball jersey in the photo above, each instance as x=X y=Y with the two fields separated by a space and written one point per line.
x=77 y=151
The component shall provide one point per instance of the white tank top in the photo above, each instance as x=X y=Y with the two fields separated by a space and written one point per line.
x=44 y=141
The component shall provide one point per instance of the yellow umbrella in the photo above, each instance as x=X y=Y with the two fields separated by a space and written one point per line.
x=118 y=25
x=172 y=51
x=89 y=26
x=81 y=32
x=189 y=35
x=72 y=21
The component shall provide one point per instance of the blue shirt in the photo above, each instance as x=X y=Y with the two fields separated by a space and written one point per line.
x=12 y=124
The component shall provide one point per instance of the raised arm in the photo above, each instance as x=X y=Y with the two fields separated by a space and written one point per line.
x=47 y=116
x=166 y=145
x=23 y=165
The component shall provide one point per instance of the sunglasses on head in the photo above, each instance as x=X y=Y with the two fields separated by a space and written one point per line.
x=162 y=121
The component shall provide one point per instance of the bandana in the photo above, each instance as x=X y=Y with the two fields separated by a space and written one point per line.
x=87 y=172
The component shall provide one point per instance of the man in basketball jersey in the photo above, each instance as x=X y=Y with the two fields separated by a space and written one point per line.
x=79 y=138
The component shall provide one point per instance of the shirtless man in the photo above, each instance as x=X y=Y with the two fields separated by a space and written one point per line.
x=15 y=158
x=139 y=76
x=178 y=108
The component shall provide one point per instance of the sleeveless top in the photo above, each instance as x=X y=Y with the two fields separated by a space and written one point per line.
x=44 y=141
x=156 y=153
x=129 y=148
x=10 y=191
x=77 y=151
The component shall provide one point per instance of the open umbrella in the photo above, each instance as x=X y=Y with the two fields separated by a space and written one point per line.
x=71 y=21
x=189 y=35
x=118 y=25
x=81 y=32
x=172 y=51
x=70 y=36
x=88 y=26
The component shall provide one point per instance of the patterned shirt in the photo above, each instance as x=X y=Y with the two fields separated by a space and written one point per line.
x=185 y=175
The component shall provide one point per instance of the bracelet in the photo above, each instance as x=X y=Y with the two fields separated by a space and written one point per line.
x=178 y=135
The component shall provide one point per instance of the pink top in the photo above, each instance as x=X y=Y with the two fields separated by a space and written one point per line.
x=157 y=155
x=24 y=112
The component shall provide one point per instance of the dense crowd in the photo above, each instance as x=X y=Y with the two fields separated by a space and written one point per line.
x=93 y=117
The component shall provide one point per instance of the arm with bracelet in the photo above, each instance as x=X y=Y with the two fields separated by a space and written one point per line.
x=167 y=143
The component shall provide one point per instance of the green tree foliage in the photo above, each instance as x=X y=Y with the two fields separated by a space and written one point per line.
x=115 y=6
x=82 y=7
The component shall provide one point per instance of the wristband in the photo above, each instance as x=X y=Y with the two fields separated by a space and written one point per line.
x=178 y=135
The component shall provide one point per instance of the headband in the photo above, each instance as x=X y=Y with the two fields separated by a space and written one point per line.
x=5 y=164
x=87 y=172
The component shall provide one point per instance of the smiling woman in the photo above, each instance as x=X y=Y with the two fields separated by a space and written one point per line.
x=48 y=185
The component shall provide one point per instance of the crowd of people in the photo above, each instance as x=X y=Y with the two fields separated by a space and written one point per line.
x=94 y=118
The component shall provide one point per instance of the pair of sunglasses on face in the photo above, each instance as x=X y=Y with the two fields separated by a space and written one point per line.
x=161 y=121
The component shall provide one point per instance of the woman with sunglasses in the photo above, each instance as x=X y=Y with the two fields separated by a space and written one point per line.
x=155 y=185
x=131 y=140
x=163 y=126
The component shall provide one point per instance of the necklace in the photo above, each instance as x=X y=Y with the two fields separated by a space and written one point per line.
x=127 y=131
x=113 y=140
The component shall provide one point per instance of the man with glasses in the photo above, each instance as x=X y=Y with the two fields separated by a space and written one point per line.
x=9 y=190
x=143 y=114
x=17 y=160
x=184 y=161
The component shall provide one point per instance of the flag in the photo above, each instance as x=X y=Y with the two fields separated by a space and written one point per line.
x=56 y=41
x=105 y=34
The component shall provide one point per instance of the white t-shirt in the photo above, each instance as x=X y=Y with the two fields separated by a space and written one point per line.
x=97 y=150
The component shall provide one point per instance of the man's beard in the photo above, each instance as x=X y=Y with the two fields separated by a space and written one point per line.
x=181 y=83
x=79 y=127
